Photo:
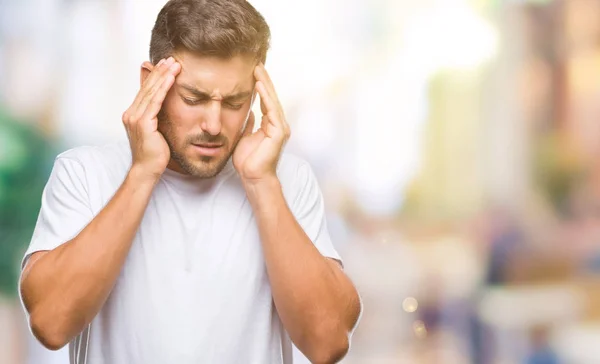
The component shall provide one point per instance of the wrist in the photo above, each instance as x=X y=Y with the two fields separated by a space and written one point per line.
x=261 y=185
x=262 y=190
x=139 y=177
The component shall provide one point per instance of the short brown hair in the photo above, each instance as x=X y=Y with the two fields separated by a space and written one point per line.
x=221 y=28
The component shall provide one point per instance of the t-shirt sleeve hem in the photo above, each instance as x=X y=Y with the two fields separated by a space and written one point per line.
x=325 y=247
x=35 y=248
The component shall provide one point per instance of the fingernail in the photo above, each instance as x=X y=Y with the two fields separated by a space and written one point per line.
x=170 y=61
x=174 y=66
x=160 y=62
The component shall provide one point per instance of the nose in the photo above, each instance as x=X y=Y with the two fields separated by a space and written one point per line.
x=212 y=119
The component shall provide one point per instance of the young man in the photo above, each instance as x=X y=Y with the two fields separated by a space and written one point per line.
x=199 y=242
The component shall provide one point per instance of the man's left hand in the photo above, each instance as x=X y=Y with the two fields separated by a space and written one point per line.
x=256 y=155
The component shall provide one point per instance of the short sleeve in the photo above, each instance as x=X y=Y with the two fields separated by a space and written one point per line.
x=309 y=209
x=65 y=208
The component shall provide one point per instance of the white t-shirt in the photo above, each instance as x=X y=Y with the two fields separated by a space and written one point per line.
x=194 y=287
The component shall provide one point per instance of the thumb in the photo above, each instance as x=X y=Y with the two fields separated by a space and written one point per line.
x=249 y=124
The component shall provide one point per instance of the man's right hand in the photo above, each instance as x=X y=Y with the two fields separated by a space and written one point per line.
x=150 y=152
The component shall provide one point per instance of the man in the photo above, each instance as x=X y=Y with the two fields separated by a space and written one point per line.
x=199 y=242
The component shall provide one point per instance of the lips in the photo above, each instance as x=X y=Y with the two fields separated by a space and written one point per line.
x=208 y=145
x=208 y=149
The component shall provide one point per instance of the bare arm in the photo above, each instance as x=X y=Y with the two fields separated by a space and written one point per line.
x=63 y=289
x=316 y=301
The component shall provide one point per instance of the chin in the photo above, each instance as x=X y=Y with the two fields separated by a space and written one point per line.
x=204 y=167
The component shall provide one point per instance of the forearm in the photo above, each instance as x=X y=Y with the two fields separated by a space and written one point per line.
x=67 y=286
x=316 y=301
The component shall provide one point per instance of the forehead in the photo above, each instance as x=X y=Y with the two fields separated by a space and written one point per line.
x=213 y=74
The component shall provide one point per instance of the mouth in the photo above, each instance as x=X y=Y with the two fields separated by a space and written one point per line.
x=208 y=149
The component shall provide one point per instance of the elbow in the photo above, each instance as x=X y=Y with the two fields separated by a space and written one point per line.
x=330 y=347
x=334 y=353
x=48 y=332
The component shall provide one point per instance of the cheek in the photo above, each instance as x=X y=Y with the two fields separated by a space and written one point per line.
x=179 y=114
x=233 y=122
x=236 y=119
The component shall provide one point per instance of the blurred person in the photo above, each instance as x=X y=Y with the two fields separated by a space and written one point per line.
x=199 y=242
x=542 y=351
x=502 y=236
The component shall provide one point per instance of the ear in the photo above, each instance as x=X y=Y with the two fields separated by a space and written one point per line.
x=145 y=70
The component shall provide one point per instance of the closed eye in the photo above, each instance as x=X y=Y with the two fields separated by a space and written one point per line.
x=193 y=102
x=196 y=101
x=233 y=106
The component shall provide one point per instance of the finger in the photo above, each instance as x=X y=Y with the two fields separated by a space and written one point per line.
x=152 y=83
x=261 y=74
x=264 y=122
x=171 y=72
x=263 y=107
x=149 y=118
x=272 y=111
x=267 y=105
x=149 y=81
x=156 y=74
x=249 y=124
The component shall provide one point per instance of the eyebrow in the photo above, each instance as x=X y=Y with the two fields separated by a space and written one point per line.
x=204 y=95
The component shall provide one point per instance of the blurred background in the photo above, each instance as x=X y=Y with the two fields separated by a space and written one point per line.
x=457 y=143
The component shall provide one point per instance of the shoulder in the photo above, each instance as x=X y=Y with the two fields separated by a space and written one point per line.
x=297 y=178
x=95 y=162
x=98 y=158
x=293 y=169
